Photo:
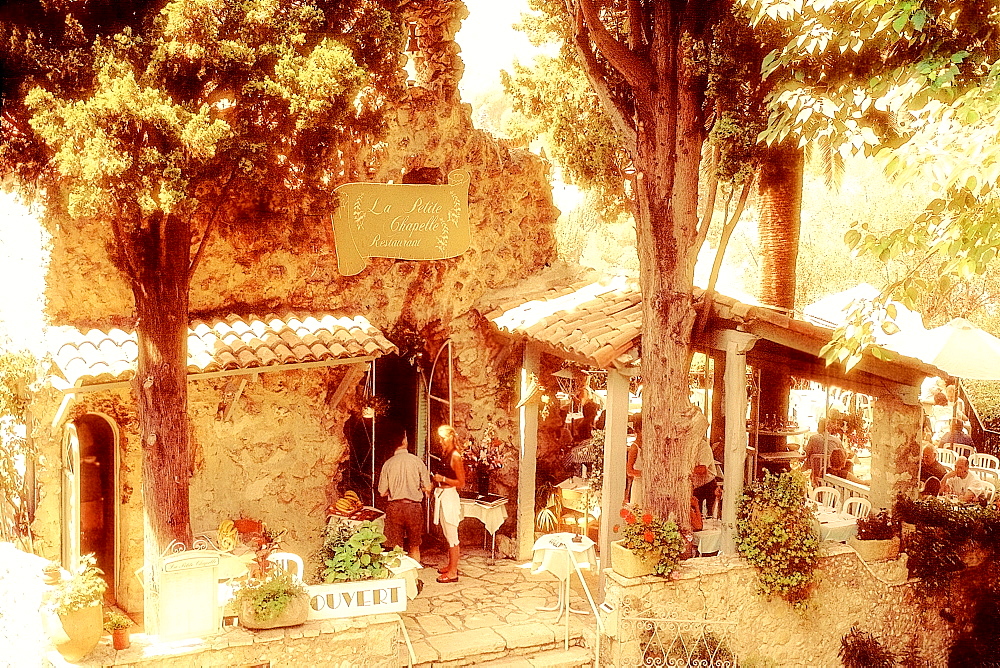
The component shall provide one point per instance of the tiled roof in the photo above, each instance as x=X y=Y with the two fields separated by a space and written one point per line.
x=593 y=320
x=597 y=320
x=223 y=344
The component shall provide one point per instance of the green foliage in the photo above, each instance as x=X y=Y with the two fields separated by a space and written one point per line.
x=271 y=595
x=860 y=649
x=877 y=526
x=776 y=533
x=352 y=554
x=17 y=373
x=84 y=587
x=114 y=620
x=944 y=532
x=651 y=537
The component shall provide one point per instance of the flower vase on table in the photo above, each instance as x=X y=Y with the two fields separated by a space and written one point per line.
x=482 y=480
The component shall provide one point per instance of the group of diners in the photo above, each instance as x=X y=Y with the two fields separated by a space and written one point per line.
x=963 y=477
x=825 y=454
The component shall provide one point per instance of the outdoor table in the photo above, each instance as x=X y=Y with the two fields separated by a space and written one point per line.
x=492 y=515
x=407 y=569
x=836 y=526
x=562 y=554
x=577 y=495
x=709 y=539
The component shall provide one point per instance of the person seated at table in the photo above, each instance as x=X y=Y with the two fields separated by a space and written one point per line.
x=931 y=471
x=633 y=466
x=842 y=467
x=962 y=482
x=705 y=476
x=956 y=435
x=819 y=444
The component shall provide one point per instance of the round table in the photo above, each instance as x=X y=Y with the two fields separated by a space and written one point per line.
x=563 y=554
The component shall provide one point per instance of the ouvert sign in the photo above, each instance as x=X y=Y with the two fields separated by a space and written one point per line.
x=353 y=599
x=402 y=221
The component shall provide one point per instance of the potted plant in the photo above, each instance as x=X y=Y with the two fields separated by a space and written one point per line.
x=877 y=538
x=77 y=599
x=117 y=624
x=350 y=554
x=274 y=600
x=648 y=546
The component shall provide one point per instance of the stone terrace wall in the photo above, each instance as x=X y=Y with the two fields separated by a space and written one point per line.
x=847 y=594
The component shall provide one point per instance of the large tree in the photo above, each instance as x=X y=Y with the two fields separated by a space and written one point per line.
x=174 y=120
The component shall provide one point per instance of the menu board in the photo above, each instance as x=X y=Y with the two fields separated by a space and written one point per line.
x=188 y=594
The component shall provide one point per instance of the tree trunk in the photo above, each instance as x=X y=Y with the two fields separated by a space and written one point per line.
x=780 y=207
x=669 y=142
x=161 y=298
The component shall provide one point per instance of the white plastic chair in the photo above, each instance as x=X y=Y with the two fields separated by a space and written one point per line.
x=858 y=506
x=989 y=475
x=947 y=457
x=285 y=561
x=982 y=460
x=962 y=450
x=826 y=496
x=989 y=493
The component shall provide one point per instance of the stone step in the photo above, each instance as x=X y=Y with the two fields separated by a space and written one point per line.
x=481 y=646
x=574 y=657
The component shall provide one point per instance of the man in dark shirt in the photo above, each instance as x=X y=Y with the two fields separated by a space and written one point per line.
x=931 y=470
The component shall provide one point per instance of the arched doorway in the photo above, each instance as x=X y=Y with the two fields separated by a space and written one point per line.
x=91 y=495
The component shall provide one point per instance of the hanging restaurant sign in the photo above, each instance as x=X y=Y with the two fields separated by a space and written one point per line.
x=402 y=221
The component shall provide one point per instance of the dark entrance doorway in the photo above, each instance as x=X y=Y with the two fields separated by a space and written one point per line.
x=394 y=405
x=98 y=518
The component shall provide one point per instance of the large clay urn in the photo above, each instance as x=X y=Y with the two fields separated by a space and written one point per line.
x=84 y=628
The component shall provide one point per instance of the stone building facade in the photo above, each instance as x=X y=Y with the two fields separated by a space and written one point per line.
x=274 y=452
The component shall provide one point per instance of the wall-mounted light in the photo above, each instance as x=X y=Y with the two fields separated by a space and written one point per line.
x=412 y=49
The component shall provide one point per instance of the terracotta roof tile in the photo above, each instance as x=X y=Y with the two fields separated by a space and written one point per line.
x=227 y=343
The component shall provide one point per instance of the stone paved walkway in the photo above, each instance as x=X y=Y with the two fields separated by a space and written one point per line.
x=491 y=612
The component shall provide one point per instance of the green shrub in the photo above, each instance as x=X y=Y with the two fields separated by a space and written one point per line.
x=776 y=533
x=84 y=587
x=356 y=553
x=270 y=596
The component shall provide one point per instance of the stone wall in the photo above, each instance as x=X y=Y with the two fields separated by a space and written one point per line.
x=896 y=452
x=848 y=593
x=277 y=457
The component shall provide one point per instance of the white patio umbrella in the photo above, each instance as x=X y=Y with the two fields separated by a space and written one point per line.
x=833 y=310
x=960 y=349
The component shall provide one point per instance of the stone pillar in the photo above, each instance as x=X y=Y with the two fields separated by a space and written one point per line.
x=528 y=415
x=895 y=449
x=736 y=344
x=615 y=454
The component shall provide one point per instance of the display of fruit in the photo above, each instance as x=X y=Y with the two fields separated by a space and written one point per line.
x=228 y=537
x=348 y=504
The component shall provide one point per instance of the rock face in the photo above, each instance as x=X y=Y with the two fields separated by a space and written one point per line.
x=276 y=456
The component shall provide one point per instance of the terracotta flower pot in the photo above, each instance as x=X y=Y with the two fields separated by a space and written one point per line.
x=875 y=550
x=120 y=639
x=630 y=564
x=84 y=628
x=294 y=613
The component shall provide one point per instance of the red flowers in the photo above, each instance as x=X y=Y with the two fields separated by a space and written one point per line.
x=647 y=519
x=630 y=520
x=615 y=528
x=623 y=513
x=648 y=536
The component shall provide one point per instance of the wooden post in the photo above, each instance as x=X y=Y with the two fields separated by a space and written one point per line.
x=736 y=344
x=528 y=416
x=615 y=454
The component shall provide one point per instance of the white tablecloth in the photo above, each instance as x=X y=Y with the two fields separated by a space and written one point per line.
x=836 y=527
x=709 y=539
x=550 y=554
x=407 y=569
x=492 y=517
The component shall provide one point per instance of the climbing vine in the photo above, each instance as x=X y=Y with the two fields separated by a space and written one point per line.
x=775 y=532
x=17 y=452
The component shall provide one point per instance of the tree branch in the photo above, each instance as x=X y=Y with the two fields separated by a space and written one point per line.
x=727 y=232
x=636 y=72
x=713 y=188
x=211 y=224
x=636 y=37
x=618 y=114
